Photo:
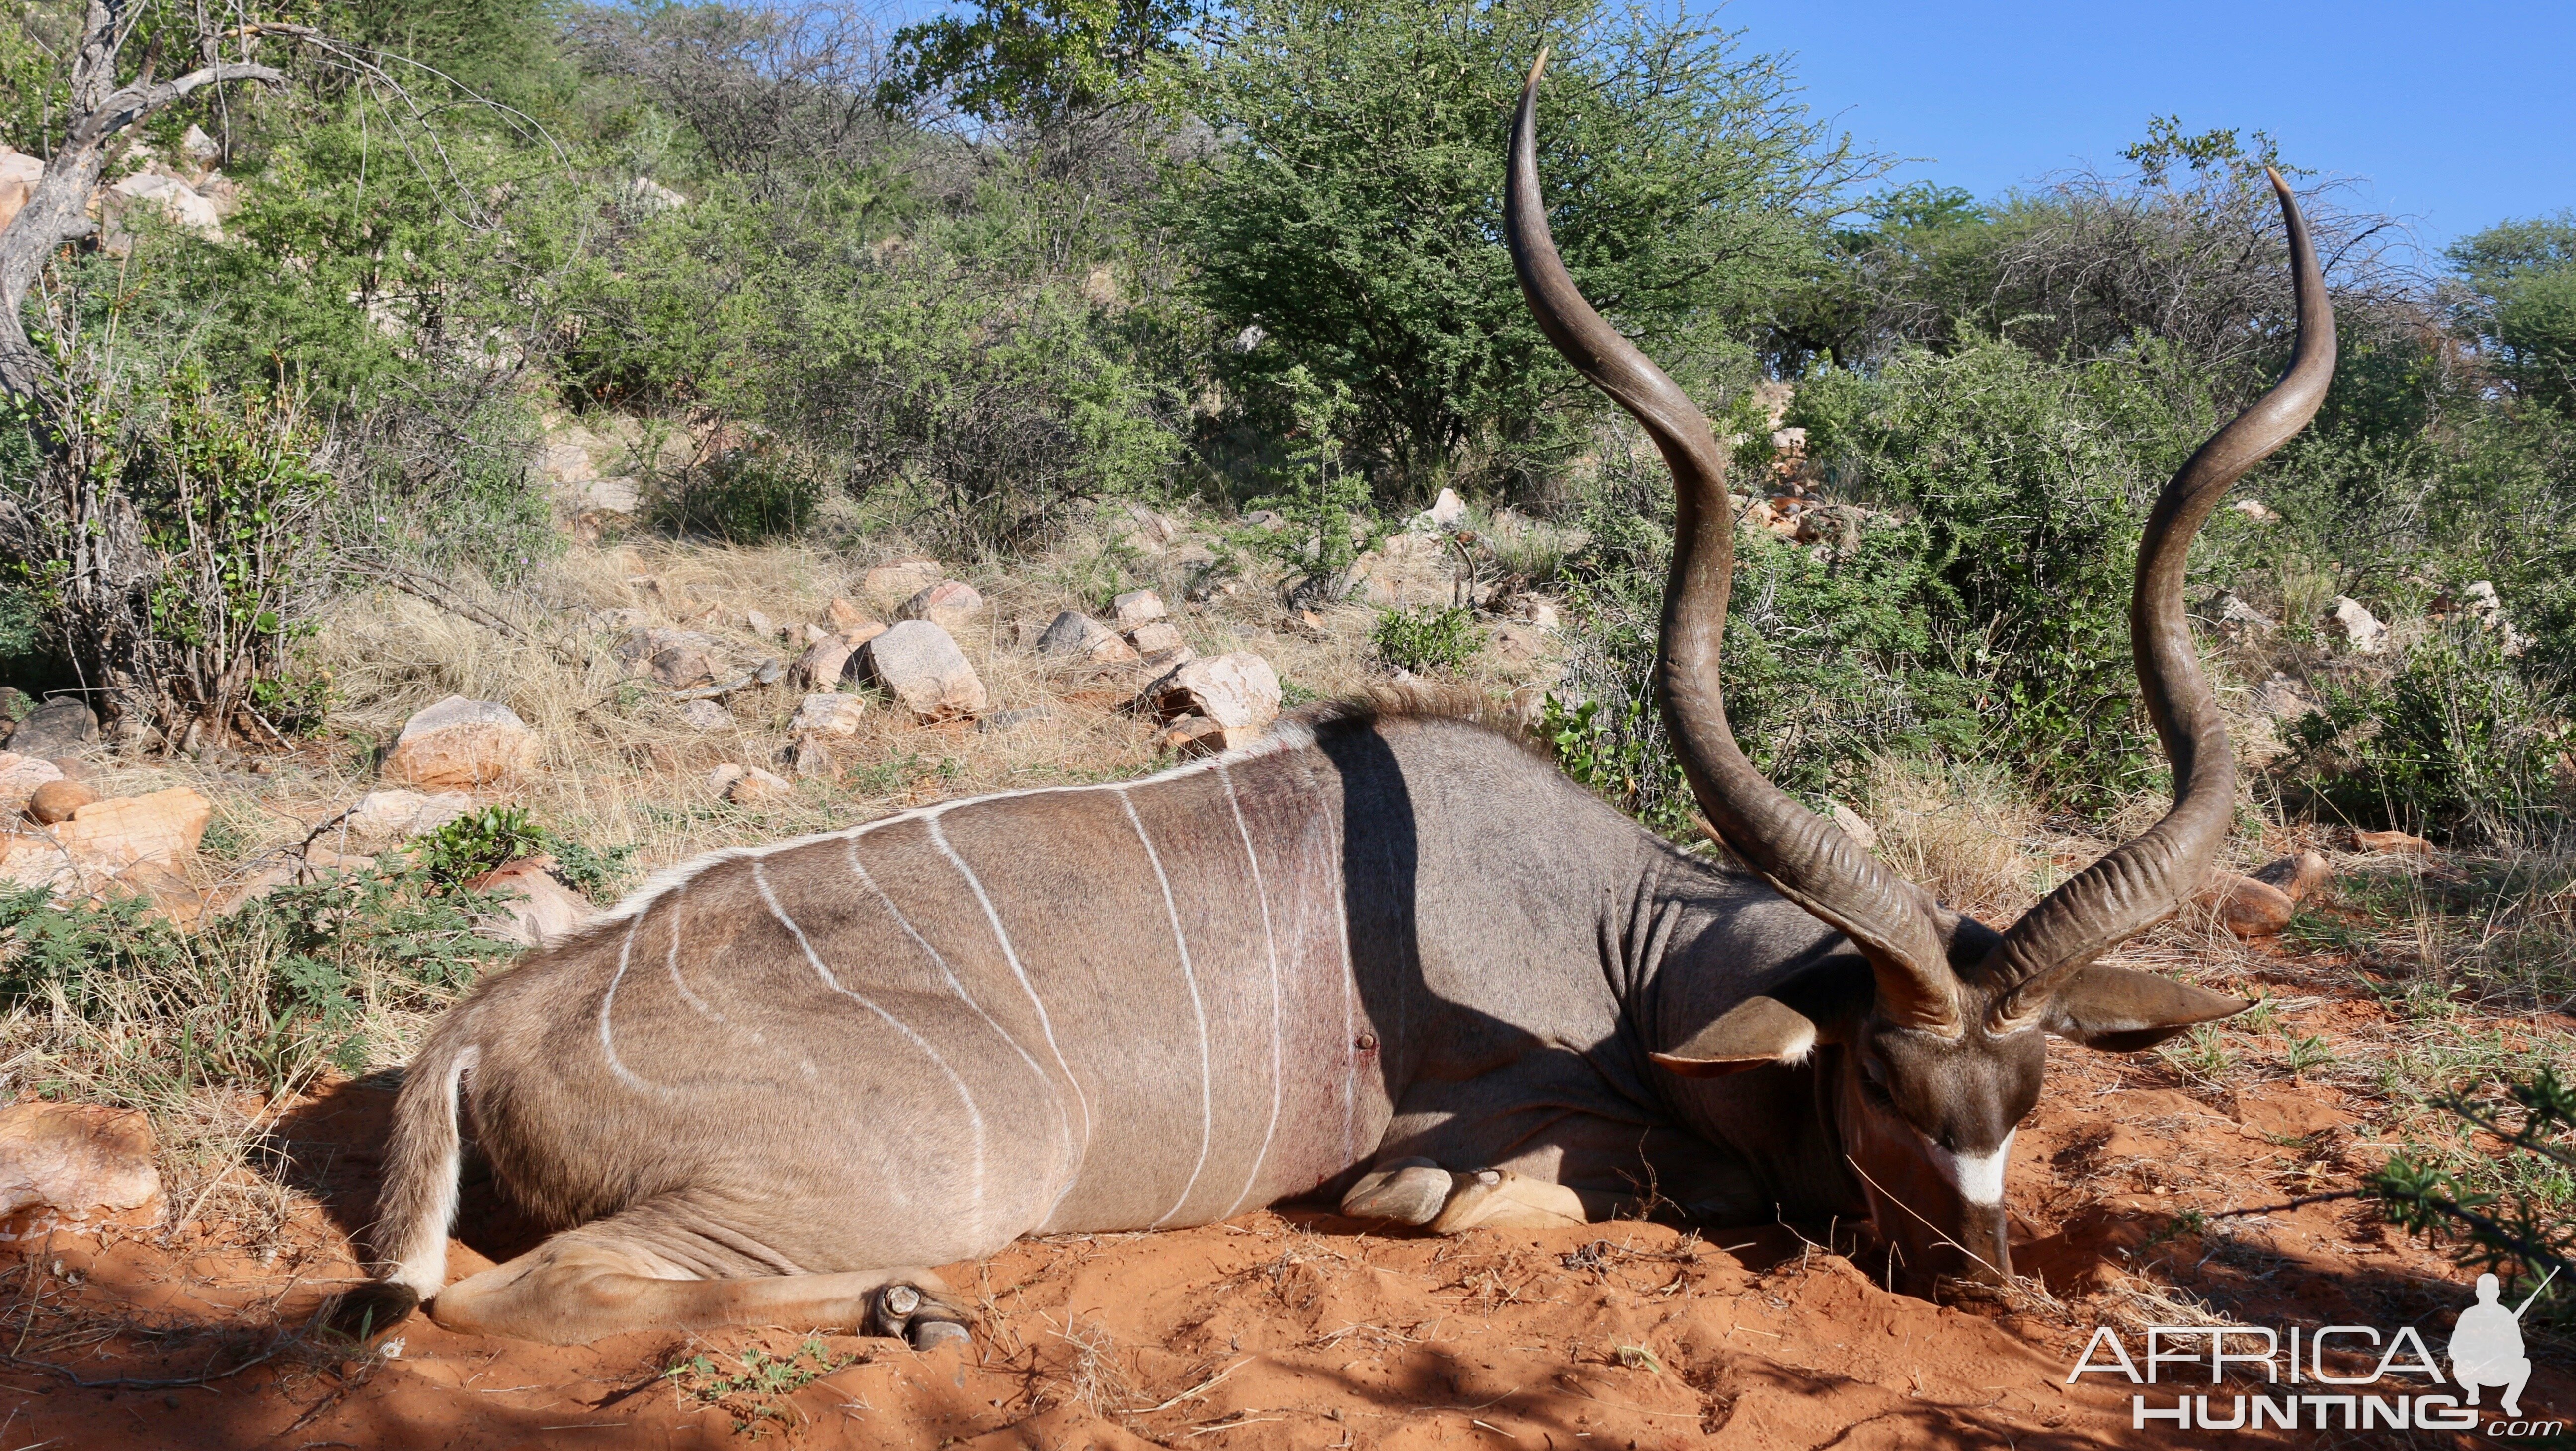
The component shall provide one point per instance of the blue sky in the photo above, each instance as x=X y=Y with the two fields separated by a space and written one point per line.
x=2456 y=115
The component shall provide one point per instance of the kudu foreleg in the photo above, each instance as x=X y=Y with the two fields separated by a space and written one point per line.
x=606 y=1278
x=1420 y=1192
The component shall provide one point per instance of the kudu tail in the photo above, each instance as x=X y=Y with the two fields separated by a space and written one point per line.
x=417 y=1202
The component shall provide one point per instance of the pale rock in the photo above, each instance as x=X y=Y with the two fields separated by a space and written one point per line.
x=1852 y=824
x=1156 y=638
x=2257 y=511
x=1265 y=519
x=808 y=758
x=808 y=635
x=388 y=817
x=721 y=779
x=2235 y=616
x=889 y=585
x=568 y=462
x=682 y=667
x=177 y=201
x=2299 y=876
x=1196 y=735
x=21 y=777
x=705 y=715
x=1238 y=691
x=621 y=495
x=199 y=147
x=538 y=908
x=825 y=663
x=1447 y=511
x=57 y=800
x=920 y=665
x=2403 y=843
x=751 y=785
x=842 y=616
x=949 y=604
x=1540 y=613
x=759 y=624
x=2284 y=697
x=1136 y=607
x=1788 y=440
x=2248 y=908
x=646 y=194
x=460 y=742
x=833 y=659
x=161 y=827
x=1517 y=644
x=2348 y=620
x=64 y=1166
x=19 y=174
x=833 y=715
x=1082 y=637
x=1151 y=529
x=2488 y=608
x=59 y=727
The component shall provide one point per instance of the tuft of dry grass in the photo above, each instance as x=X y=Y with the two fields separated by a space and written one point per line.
x=1961 y=831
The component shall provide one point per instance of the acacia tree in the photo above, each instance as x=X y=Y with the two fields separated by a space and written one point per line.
x=65 y=520
x=1348 y=220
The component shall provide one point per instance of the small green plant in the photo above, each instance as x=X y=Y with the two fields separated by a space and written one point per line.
x=482 y=840
x=1619 y=754
x=2204 y=1055
x=600 y=875
x=1427 y=639
x=1316 y=498
x=2305 y=1051
x=2507 y=1206
x=753 y=1386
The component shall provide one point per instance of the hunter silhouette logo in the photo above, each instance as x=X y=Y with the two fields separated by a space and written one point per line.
x=2309 y=1387
x=2486 y=1345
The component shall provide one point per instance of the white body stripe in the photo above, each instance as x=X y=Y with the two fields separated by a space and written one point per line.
x=608 y=1001
x=974 y=1116
x=1064 y=1120
x=1270 y=946
x=1198 y=1010
x=1011 y=955
x=1979 y=1178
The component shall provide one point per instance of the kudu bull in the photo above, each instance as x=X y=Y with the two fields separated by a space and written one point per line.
x=1386 y=954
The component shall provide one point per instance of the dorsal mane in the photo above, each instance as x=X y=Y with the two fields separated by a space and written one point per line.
x=1395 y=704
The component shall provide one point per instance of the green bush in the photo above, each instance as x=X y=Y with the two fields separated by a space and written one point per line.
x=2511 y=1211
x=1426 y=639
x=483 y=840
x=1347 y=221
x=2455 y=738
x=264 y=999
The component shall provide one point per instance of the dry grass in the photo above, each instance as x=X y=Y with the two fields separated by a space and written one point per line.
x=1962 y=832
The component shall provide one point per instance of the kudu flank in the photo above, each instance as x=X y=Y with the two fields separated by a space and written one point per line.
x=1389 y=954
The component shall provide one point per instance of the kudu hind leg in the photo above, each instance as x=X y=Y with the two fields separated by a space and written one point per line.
x=609 y=1277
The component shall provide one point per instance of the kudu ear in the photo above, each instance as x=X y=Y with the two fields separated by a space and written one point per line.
x=1781 y=1026
x=2121 y=1010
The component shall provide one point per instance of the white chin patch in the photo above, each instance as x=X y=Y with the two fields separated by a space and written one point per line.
x=1979 y=1178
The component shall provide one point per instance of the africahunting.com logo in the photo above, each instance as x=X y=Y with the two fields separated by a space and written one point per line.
x=2485 y=1354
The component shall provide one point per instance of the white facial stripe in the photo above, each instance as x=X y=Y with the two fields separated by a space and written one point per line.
x=1979 y=1178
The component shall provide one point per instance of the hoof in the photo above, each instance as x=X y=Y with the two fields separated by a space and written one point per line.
x=926 y=1333
x=1501 y=1199
x=1408 y=1192
x=902 y=1311
x=369 y=1310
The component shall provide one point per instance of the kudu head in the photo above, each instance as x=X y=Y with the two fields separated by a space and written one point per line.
x=1936 y=1046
